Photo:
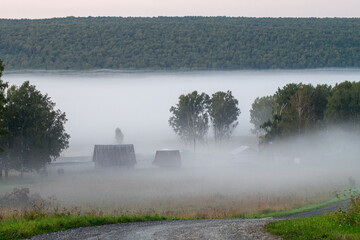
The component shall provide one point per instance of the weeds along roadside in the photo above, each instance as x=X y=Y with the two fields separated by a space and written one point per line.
x=344 y=223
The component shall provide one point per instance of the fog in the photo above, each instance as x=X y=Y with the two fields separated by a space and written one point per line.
x=97 y=102
x=212 y=182
x=215 y=183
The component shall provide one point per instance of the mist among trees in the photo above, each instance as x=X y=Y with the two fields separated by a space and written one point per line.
x=300 y=109
x=190 y=117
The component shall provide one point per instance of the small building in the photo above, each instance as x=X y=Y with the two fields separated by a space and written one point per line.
x=167 y=158
x=244 y=151
x=122 y=155
x=244 y=154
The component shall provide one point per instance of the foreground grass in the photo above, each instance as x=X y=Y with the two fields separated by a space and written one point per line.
x=341 y=224
x=18 y=229
x=320 y=227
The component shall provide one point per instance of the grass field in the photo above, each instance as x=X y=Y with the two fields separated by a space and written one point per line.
x=43 y=216
x=185 y=193
x=341 y=224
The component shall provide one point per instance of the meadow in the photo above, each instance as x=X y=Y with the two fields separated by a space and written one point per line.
x=198 y=192
x=207 y=186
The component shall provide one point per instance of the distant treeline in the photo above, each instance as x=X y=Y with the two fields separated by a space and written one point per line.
x=180 y=43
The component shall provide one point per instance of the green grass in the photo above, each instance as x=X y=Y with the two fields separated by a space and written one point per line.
x=320 y=227
x=341 y=224
x=305 y=208
x=17 y=229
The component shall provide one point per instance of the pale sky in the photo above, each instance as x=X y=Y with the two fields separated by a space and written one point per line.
x=149 y=8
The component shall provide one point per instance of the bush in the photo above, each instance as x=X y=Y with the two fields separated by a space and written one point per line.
x=351 y=215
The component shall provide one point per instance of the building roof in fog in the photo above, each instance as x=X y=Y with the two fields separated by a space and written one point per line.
x=114 y=155
x=243 y=150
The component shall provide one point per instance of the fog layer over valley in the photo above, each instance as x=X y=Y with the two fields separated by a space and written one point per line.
x=214 y=181
x=97 y=102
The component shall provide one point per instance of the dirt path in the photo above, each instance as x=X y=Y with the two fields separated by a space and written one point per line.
x=228 y=229
x=185 y=229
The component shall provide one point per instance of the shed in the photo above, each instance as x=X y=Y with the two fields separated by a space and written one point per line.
x=122 y=155
x=244 y=154
x=244 y=151
x=167 y=158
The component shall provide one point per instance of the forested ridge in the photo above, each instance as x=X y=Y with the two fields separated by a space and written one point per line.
x=178 y=43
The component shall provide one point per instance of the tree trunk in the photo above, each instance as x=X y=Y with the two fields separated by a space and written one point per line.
x=6 y=172
x=1 y=170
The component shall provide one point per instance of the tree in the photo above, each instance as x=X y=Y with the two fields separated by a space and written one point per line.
x=1 y=68
x=37 y=129
x=343 y=106
x=282 y=96
x=3 y=87
x=261 y=111
x=274 y=128
x=119 y=136
x=224 y=113
x=190 y=118
x=306 y=109
x=300 y=115
x=3 y=131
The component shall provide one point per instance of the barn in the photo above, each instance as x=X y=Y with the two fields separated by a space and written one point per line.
x=167 y=158
x=122 y=155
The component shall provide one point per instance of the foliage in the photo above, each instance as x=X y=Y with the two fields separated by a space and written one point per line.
x=223 y=113
x=37 y=129
x=3 y=131
x=274 y=127
x=344 y=105
x=119 y=136
x=350 y=216
x=3 y=87
x=305 y=111
x=299 y=109
x=1 y=68
x=180 y=43
x=261 y=112
x=190 y=119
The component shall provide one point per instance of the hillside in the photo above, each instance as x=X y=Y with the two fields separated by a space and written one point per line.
x=180 y=43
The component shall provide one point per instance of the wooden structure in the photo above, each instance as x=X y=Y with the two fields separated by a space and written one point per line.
x=122 y=155
x=167 y=158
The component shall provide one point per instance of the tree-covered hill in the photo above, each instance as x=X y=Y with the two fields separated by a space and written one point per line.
x=180 y=43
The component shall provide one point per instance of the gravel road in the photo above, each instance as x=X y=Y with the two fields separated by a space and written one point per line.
x=185 y=229
x=226 y=229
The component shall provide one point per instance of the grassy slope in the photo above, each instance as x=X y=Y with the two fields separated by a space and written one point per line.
x=320 y=227
x=340 y=224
